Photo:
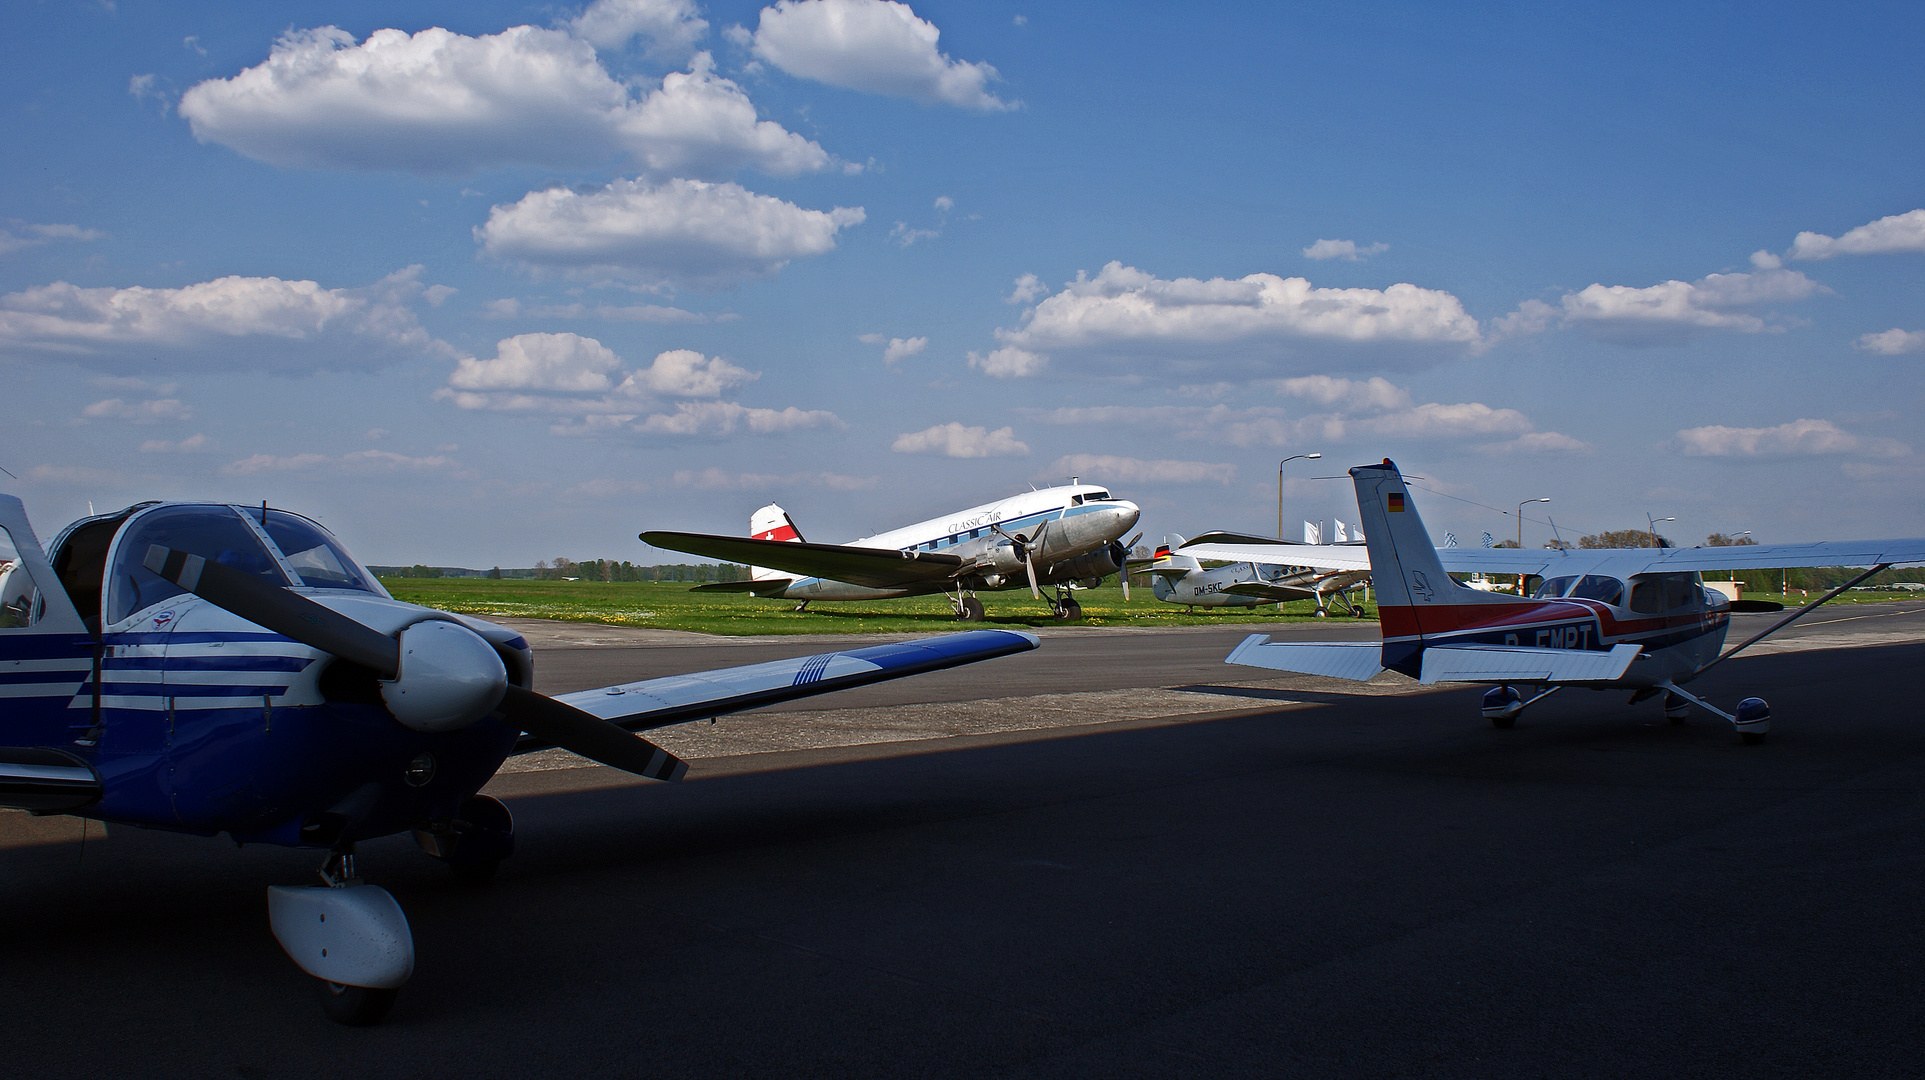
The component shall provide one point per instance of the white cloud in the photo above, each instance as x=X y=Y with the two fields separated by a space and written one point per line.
x=906 y=236
x=1799 y=437
x=231 y=322
x=1372 y=393
x=510 y=308
x=902 y=347
x=1009 y=362
x=956 y=441
x=678 y=232
x=686 y=373
x=1028 y=287
x=1107 y=469
x=193 y=444
x=138 y=412
x=549 y=362
x=726 y=417
x=1540 y=442
x=1124 y=310
x=1347 y=250
x=1667 y=312
x=443 y=103
x=672 y=27
x=357 y=461
x=25 y=234
x=873 y=46
x=1893 y=342
x=1897 y=233
x=714 y=479
x=944 y=204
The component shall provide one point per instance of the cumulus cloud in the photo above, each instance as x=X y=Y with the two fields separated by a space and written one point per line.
x=686 y=373
x=898 y=348
x=678 y=232
x=714 y=479
x=956 y=441
x=874 y=46
x=1347 y=250
x=1887 y=235
x=672 y=27
x=1372 y=393
x=511 y=308
x=1667 y=312
x=137 y=412
x=193 y=444
x=25 y=234
x=1540 y=442
x=1124 y=311
x=359 y=461
x=716 y=418
x=1801 y=437
x=232 y=322
x=1893 y=342
x=557 y=362
x=1128 y=470
x=440 y=103
x=1028 y=287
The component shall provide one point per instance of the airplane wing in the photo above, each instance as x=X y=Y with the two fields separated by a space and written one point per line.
x=1275 y=552
x=1265 y=591
x=653 y=703
x=876 y=568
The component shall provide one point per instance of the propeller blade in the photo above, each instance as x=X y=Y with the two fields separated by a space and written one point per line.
x=1029 y=563
x=1124 y=576
x=286 y=613
x=590 y=736
x=1130 y=544
x=295 y=616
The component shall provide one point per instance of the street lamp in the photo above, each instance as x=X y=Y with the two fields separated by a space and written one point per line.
x=1520 y=519
x=1653 y=530
x=1280 y=466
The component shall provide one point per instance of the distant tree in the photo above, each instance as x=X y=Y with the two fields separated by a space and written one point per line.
x=1621 y=538
x=1557 y=545
x=1506 y=543
x=420 y=571
x=495 y=574
x=1721 y=540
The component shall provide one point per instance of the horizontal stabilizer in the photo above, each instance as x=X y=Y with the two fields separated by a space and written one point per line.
x=1521 y=663
x=653 y=703
x=1357 y=660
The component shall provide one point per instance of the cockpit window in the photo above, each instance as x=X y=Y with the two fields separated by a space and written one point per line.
x=1607 y=590
x=313 y=555
x=215 y=533
x=1076 y=500
x=1653 y=594
x=1553 y=588
x=1097 y=496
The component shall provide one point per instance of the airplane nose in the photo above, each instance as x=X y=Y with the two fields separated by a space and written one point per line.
x=1126 y=513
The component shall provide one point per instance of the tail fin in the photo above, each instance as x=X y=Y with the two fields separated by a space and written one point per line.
x=1170 y=561
x=1415 y=597
x=772 y=523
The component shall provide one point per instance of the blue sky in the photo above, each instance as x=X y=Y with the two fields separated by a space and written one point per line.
x=484 y=284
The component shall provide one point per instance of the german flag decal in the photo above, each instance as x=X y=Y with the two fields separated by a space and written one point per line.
x=1394 y=502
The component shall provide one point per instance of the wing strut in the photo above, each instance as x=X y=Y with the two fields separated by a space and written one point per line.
x=1789 y=619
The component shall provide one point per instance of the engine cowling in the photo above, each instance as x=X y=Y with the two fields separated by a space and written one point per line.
x=1092 y=567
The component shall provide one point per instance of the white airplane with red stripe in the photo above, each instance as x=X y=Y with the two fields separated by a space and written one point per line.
x=1636 y=619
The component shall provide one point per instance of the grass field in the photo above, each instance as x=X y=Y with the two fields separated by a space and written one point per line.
x=675 y=607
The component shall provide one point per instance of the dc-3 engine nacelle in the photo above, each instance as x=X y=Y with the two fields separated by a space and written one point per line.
x=1089 y=569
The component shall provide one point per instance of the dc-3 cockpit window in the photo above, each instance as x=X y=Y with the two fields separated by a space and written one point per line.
x=313 y=554
x=215 y=533
x=1655 y=594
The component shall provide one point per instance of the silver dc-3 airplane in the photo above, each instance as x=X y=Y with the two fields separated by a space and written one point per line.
x=1628 y=619
x=1062 y=536
x=1178 y=577
x=209 y=668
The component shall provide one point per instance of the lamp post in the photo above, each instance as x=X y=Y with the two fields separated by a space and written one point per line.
x=1280 y=465
x=1520 y=519
x=1653 y=527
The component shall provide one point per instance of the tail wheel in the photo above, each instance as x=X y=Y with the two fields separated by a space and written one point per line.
x=355 y=1006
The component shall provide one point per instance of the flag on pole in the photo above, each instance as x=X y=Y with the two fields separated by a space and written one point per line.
x=1489 y=540
x=1312 y=534
x=1450 y=539
x=1341 y=537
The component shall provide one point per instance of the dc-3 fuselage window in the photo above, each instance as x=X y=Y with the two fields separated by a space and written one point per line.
x=314 y=555
x=1656 y=594
x=215 y=533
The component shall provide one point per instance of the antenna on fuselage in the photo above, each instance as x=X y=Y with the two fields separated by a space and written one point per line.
x=263 y=513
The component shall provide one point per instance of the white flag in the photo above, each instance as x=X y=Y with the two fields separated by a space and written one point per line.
x=1342 y=536
x=1450 y=539
x=1489 y=540
x=1312 y=534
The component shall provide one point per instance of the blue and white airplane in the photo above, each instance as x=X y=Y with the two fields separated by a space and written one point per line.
x=1636 y=619
x=209 y=668
x=1063 y=536
x=1177 y=577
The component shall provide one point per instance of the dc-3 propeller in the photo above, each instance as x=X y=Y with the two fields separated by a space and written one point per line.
x=437 y=675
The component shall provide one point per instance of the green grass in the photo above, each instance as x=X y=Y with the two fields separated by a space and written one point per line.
x=675 y=607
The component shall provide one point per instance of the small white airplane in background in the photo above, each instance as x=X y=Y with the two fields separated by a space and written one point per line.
x=1636 y=619
x=1179 y=578
x=1062 y=536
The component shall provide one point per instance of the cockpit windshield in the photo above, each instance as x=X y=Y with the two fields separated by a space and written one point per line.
x=215 y=533
x=314 y=556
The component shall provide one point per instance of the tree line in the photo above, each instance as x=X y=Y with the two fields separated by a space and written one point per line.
x=1810 y=579
x=562 y=569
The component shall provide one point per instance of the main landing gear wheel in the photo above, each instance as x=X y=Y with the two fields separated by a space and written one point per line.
x=1676 y=708
x=1068 y=608
x=972 y=610
x=1501 y=706
x=355 y=1006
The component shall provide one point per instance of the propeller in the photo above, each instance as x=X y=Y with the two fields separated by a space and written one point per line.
x=1026 y=552
x=1123 y=565
x=295 y=616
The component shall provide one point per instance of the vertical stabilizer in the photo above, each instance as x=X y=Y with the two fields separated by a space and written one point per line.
x=1415 y=596
x=772 y=523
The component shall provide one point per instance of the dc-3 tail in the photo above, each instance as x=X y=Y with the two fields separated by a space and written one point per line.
x=772 y=523
x=1434 y=629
